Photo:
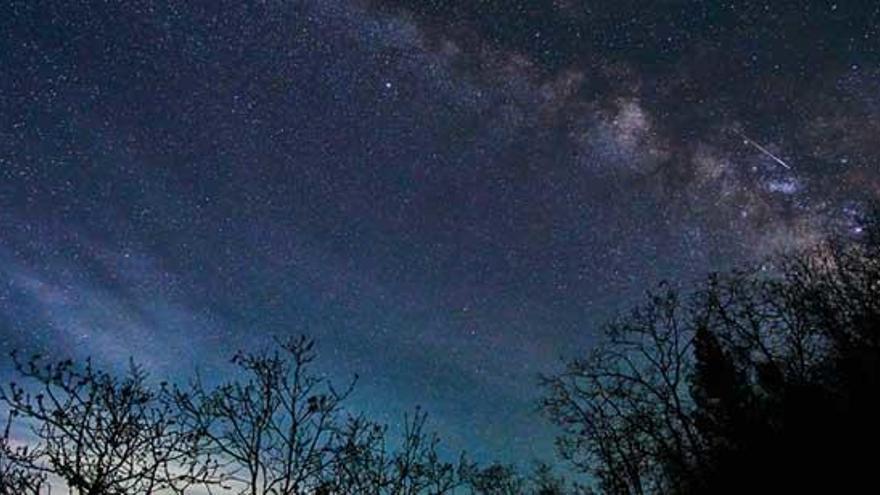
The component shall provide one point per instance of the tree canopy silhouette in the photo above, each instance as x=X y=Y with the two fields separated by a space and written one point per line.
x=99 y=433
x=760 y=380
x=275 y=426
x=16 y=476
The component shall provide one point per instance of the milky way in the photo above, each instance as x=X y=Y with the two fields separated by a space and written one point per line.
x=448 y=195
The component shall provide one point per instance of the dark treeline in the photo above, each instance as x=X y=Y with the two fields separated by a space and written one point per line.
x=275 y=427
x=758 y=381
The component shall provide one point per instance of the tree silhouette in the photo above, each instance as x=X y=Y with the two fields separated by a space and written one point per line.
x=16 y=476
x=760 y=380
x=625 y=409
x=280 y=428
x=100 y=434
x=365 y=464
x=772 y=372
x=546 y=482
x=496 y=479
x=803 y=345
x=275 y=426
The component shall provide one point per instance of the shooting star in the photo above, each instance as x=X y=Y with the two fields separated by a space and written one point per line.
x=764 y=151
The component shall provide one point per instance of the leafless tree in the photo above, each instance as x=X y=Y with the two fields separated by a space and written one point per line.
x=546 y=482
x=275 y=426
x=365 y=464
x=625 y=409
x=496 y=479
x=100 y=434
x=16 y=476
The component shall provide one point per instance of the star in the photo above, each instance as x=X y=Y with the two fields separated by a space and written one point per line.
x=214 y=179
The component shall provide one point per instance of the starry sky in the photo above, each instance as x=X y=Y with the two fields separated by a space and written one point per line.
x=449 y=195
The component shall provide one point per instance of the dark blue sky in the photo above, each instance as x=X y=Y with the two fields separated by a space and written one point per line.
x=448 y=196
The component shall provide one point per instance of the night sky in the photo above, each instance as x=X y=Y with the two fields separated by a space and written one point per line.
x=448 y=195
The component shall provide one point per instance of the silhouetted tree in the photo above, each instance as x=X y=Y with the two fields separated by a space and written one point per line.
x=496 y=479
x=772 y=372
x=800 y=348
x=276 y=426
x=546 y=482
x=625 y=409
x=100 y=434
x=16 y=475
x=365 y=464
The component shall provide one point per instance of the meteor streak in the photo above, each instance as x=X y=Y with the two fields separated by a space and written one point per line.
x=764 y=150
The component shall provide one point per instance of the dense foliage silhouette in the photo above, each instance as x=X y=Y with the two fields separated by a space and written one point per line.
x=763 y=380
